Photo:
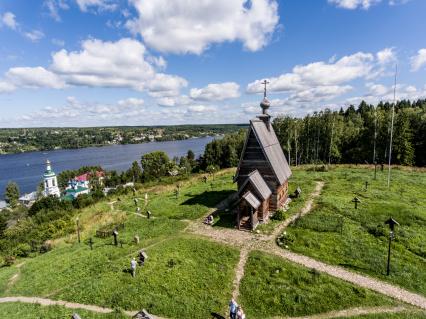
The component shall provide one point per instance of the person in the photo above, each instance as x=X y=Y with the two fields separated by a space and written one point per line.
x=240 y=313
x=141 y=258
x=233 y=309
x=133 y=264
x=209 y=220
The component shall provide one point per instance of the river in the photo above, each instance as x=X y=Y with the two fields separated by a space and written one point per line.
x=26 y=169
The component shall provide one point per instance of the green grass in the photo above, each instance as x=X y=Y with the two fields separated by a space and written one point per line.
x=274 y=287
x=361 y=243
x=194 y=200
x=402 y=315
x=306 y=182
x=31 y=311
x=5 y=274
x=199 y=282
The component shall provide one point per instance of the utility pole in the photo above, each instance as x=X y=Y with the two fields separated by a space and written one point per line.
x=374 y=145
x=295 y=140
x=392 y=120
x=331 y=142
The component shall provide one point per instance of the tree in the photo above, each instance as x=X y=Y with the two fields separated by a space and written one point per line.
x=135 y=172
x=190 y=155
x=12 y=194
x=154 y=165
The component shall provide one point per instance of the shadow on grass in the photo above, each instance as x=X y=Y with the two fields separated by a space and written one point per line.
x=225 y=219
x=208 y=198
x=358 y=268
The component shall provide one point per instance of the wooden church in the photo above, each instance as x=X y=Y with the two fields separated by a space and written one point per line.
x=262 y=173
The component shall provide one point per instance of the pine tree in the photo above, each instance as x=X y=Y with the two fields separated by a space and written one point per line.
x=12 y=194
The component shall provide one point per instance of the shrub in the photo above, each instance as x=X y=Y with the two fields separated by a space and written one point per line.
x=22 y=250
x=280 y=215
x=46 y=247
x=9 y=260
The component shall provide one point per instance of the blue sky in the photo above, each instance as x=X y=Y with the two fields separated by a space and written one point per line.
x=150 y=62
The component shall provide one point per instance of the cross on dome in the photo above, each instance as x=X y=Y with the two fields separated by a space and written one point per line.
x=265 y=82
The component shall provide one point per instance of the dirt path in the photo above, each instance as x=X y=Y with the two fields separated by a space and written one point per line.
x=305 y=210
x=111 y=204
x=66 y=304
x=248 y=241
x=354 y=278
x=239 y=272
x=350 y=313
x=15 y=277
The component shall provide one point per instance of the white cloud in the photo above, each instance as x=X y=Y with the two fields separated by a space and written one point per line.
x=320 y=74
x=102 y=5
x=6 y=87
x=114 y=64
x=171 y=101
x=380 y=92
x=386 y=55
x=363 y=4
x=201 y=109
x=131 y=102
x=353 y=4
x=324 y=81
x=320 y=93
x=53 y=6
x=34 y=35
x=120 y=64
x=8 y=19
x=181 y=27
x=36 y=77
x=419 y=60
x=216 y=92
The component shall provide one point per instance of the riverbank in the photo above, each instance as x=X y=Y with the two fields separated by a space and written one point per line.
x=26 y=169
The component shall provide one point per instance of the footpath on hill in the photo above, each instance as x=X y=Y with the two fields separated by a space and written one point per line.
x=247 y=242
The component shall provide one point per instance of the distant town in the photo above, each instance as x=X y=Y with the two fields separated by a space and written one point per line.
x=18 y=140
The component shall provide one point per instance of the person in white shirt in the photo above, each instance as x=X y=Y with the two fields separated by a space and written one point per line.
x=133 y=264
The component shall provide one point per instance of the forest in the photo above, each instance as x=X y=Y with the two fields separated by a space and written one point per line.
x=356 y=135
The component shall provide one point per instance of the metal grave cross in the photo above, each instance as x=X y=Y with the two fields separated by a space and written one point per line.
x=356 y=201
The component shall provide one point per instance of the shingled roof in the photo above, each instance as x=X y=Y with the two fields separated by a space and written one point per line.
x=271 y=147
x=252 y=200
x=258 y=183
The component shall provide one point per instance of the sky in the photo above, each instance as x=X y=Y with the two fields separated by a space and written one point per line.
x=162 y=62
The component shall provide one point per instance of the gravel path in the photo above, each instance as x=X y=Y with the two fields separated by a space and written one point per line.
x=305 y=210
x=239 y=272
x=66 y=304
x=354 y=278
x=350 y=313
x=247 y=242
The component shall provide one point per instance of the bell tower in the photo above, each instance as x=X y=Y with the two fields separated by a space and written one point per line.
x=50 y=182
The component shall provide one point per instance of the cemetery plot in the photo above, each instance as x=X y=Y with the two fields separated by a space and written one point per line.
x=337 y=233
x=182 y=278
x=193 y=200
x=274 y=287
x=30 y=311
x=64 y=267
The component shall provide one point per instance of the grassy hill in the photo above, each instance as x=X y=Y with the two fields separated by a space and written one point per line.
x=189 y=276
x=337 y=233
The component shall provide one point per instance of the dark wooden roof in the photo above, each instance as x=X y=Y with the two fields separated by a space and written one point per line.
x=258 y=183
x=251 y=199
x=271 y=148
